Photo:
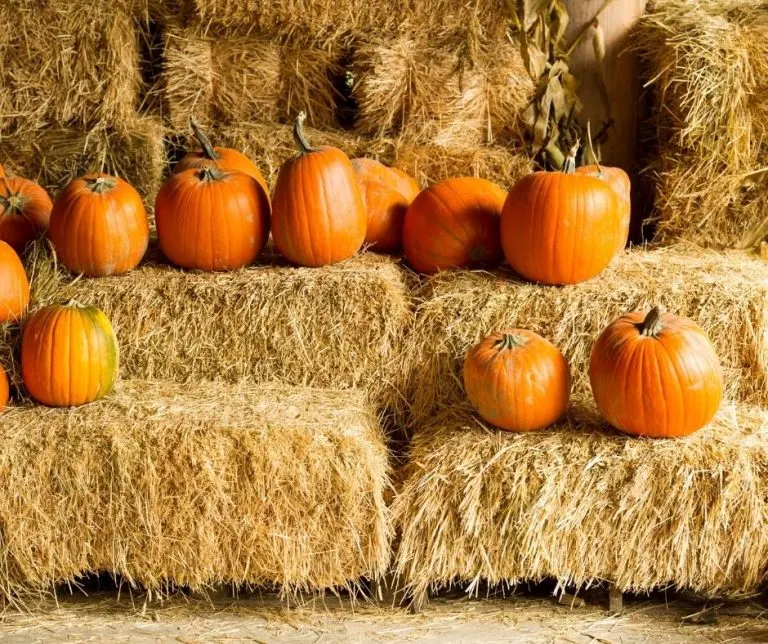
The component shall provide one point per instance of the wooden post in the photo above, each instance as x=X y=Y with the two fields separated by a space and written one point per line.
x=615 y=599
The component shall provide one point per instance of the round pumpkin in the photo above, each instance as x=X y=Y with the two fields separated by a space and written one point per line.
x=517 y=380
x=211 y=220
x=219 y=157
x=561 y=227
x=99 y=226
x=318 y=215
x=25 y=209
x=14 y=285
x=387 y=193
x=69 y=355
x=2 y=171
x=5 y=389
x=454 y=224
x=655 y=375
x=619 y=181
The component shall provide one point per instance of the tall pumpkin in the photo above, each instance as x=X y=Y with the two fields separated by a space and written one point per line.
x=211 y=220
x=387 y=193
x=619 y=181
x=318 y=215
x=14 y=285
x=69 y=355
x=454 y=224
x=25 y=209
x=655 y=375
x=226 y=159
x=561 y=227
x=517 y=380
x=99 y=226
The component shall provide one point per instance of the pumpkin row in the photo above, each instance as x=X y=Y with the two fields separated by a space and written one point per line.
x=214 y=213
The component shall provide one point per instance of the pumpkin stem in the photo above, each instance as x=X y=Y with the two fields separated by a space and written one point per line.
x=652 y=325
x=298 y=134
x=510 y=341
x=100 y=185
x=203 y=140
x=13 y=202
x=210 y=173
x=592 y=150
x=569 y=167
x=74 y=304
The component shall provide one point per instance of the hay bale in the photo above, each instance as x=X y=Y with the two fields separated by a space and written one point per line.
x=53 y=156
x=582 y=503
x=68 y=62
x=727 y=294
x=247 y=78
x=195 y=485
x=340 y=326
x=708 y=63
x=450 y=91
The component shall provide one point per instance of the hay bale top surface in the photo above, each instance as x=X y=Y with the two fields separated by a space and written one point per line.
x=580 y=502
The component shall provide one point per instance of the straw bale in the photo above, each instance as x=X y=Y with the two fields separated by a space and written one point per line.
x=708 y=64
x=195 y=485
x=55 y=155
x=451 y=91
x=726 y=294
x=582 y=503
x=340 y=326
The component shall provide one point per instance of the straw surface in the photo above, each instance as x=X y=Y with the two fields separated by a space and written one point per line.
x=582 y=503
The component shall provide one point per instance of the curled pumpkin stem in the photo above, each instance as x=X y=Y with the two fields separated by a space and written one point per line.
x=652 y=325
x=569 y=167
x=203 y=140
x=298 y=134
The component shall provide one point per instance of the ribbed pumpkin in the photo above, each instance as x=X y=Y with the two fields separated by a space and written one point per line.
x=69 y=355
x=561 y=227
x=218 y=157
x=619 y=181
x=25 y=209
x=14 y=285
x=387 y=193
x=517 y=380
x=211 y=219
x=318 y=215
x=5 y=389
x=454 y=224
x=655 y=375
x=99 y=226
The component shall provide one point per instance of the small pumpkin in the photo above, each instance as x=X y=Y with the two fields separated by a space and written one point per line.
x=14 y=285
x=25 y=209
x=69 y=355
x=387 y=193
x=5 y=389
x=219 y=157
x=561 y=227
x=99 y=226
x=454 y=224
x=517 y=380
x=655 y=375
x=2 y=171
x=211 y=220
x=619 y=181
x=318 y=215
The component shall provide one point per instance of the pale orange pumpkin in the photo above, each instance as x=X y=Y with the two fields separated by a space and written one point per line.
x=517 y=380
x=14 y=285
x=25 y=209
x=655 y=375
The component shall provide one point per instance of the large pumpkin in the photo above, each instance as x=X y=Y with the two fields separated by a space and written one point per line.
x=561 y=227
x=14 y=285
x=222 y=158
x=655 y=375
x=619 y=181
x=69 y=355
x=318 y=215
x=25 y=209
x=211 y=220
x=5 y=389
x=99 y=226
x=517 y=380
x=387 y=193
x=454 y=224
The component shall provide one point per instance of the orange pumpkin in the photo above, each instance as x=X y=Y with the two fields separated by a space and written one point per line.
x=454 y=224
x=25 y=209
x=318 y=214
x=517 y=380
x=619 y=181
x=99 y=226
x=69 y=355
x=655 y=375
x=561 y=227
x=2 y=171
x=218 y=157
x=387 y=193
x=14 y=285
x=5 y=389
x=211 y=220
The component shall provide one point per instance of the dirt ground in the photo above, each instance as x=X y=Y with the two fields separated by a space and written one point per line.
x=519 y=617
